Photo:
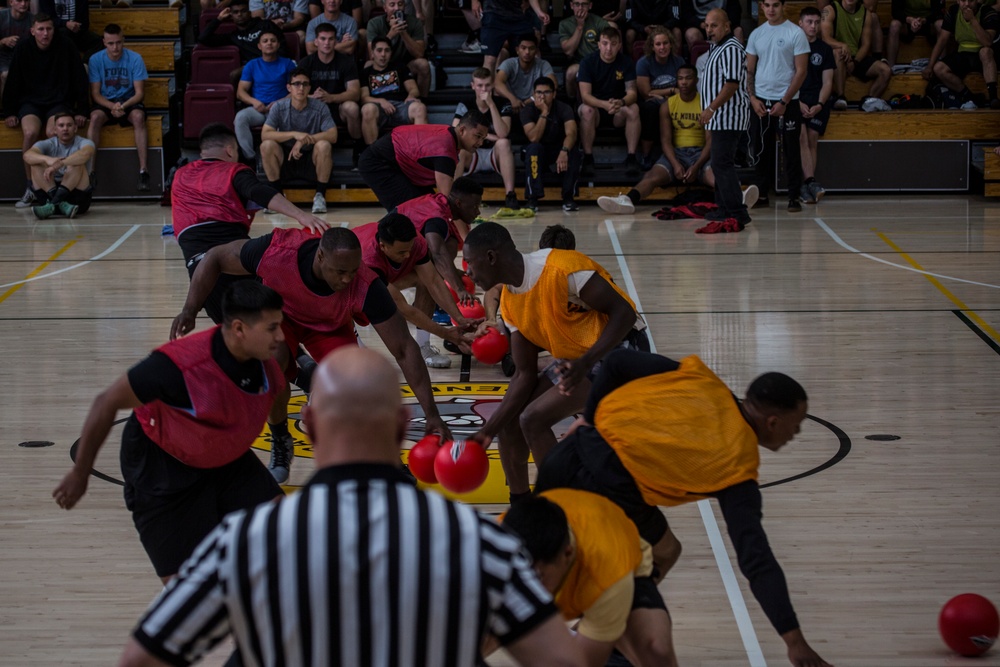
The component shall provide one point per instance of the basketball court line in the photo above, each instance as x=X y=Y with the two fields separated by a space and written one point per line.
x=110 y=249
x=16 y=286
x=736 y=601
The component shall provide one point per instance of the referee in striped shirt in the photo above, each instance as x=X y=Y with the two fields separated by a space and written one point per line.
x=726 y=113
x=359 y=568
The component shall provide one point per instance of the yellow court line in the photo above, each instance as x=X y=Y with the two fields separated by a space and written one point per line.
x=944 y=290
x=34 y=273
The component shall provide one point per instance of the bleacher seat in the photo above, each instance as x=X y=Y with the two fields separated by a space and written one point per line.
x=296 y=49
x=698 y=49
x=207 y=103
x=209 y=14
x=213 y=65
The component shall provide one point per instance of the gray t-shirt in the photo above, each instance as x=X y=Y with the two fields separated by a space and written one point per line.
x=522 y=83
x=379 y=27
x=9 y=27
x=776 y=47
x=313 y=119
x=280 y=9
x=345 y=25
x=52 y=147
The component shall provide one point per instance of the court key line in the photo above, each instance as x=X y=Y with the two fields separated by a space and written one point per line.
x=971 y=314
x=16 y=286
x=32 y=277
x=736 y=601
x=915 y=268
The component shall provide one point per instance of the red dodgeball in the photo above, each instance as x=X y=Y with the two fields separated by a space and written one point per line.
x=462 y=466
x=421 y=459
x=969 y=624
x=490 y=347
x=475 y=311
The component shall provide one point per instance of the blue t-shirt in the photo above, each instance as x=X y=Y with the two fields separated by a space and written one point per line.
x=117 y=78
x=660 y=76
x=269 y=79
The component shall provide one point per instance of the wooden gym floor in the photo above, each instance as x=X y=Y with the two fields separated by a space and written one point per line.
x=886 y=309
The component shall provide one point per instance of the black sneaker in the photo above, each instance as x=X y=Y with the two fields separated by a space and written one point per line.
x=794 y=206
x=763 y=202
x=451 y=347
x=632 y=167
x=532 y=204
x=280 y=464
x=93 y=179
x=587 y=168
x=143 y=184
x=507 y=365
x=569 y=206
x=511 y=201
x=431 y=44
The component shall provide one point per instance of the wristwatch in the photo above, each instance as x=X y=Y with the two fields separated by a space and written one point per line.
x=564 y=149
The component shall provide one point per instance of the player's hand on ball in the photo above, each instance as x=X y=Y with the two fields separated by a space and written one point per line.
x=71 y=489
x=437 y=425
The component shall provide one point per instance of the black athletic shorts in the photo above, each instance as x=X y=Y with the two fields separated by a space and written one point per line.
x=123 y=121
x=174 y=506
x=42 y=112
x=390 y=185
x=81 y=199
x=861 y=68
x=962 y=63
x=585 y=461
x=818 y=122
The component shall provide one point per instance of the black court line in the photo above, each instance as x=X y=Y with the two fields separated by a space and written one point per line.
x=979 y=332
x=842 y=452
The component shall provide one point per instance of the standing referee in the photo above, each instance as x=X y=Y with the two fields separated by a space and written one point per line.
x=360 y=568
x=726 y=113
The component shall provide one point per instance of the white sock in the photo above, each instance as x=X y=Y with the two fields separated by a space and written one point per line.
x=423 y=338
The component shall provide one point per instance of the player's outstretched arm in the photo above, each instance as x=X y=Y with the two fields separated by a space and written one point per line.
x=220 y=259
x=800 y=654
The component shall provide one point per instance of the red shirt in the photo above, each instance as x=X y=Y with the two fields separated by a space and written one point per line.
x=223 y=421
x=424 y=208
x=279 y=270
x=413 y=142
x=202 y=192
x=373 y=257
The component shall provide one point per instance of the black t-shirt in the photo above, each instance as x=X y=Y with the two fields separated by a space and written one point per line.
x=437 y=226
x=389 y=83
x=157 y=377
x=502 y=104
x=333 y=76
x=378 y=306
x=555 y=126
x=245 y=40
x=988 y=19
x=607 y=80
x=821 y=58
x=202 y=238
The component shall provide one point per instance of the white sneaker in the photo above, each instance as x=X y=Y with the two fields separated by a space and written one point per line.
x=750 y=196
x=433 y=357
x=319 y=203
x=969 y=105
x=471 y=47
x=875 y=104
x=26 y=200
x=620 y=204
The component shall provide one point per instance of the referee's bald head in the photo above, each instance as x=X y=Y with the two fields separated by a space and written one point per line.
x=355 y=412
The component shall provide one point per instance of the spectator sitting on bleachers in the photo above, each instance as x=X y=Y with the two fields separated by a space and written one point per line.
x=264 y=81
x=815 y=102
x=298 y=136
x=15 y=25
x=72 y=20
x=694 y=12
x=506 y=21
x=847 y=28
x=58 y=167
x=911 y=18
x=875 y=26
x=406 y=36
x=117 y=80
x=46 y=77
x=515 y=78
x=246 y=37
x=551 y=128
x=496 y=153
x=289 y=15
x=645 y=15
x=389 y=95
x=578 y=38
x=334 y=78
x=656 y=80
x=685 y=143
x=974 y=27
x=608 y=93
x=347 y=28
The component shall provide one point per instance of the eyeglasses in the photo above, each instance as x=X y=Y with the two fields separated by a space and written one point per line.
x=299 y=84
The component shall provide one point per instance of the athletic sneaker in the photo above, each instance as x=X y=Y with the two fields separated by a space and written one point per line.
x=26 y=200
x=840 y=104
x=794 y=206
x=817 y=191
x=143 y=184
x=451 y=347
x=510 y=201
x=587 y=168
x=167 y=230
x=280 y=465
x=632 y=167
x=433 y=357
x=620 y=204
x=969 y=105
x=471 y=46
x=750 y=196
x=319 y=203
x=441 y=317
x=570 y=206
x=67 y=209
x=532 y=204
x=806 y=195
x=44 y=211
x=875 y=104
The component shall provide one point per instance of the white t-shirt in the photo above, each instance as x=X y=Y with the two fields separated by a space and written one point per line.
x=776 y=47
x=534 y=262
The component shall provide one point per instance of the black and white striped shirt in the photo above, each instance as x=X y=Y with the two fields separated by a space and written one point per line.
x=726 y=62
x=359 y=568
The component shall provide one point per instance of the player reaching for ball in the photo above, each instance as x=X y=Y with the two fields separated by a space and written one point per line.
x=702 y=443
x=560 y=301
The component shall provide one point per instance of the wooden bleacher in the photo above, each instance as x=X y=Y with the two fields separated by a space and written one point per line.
x=916 y=125
x=111 y=136
x=140 y=21
x=910 y=83
x=991 y=174
x=794 y=7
